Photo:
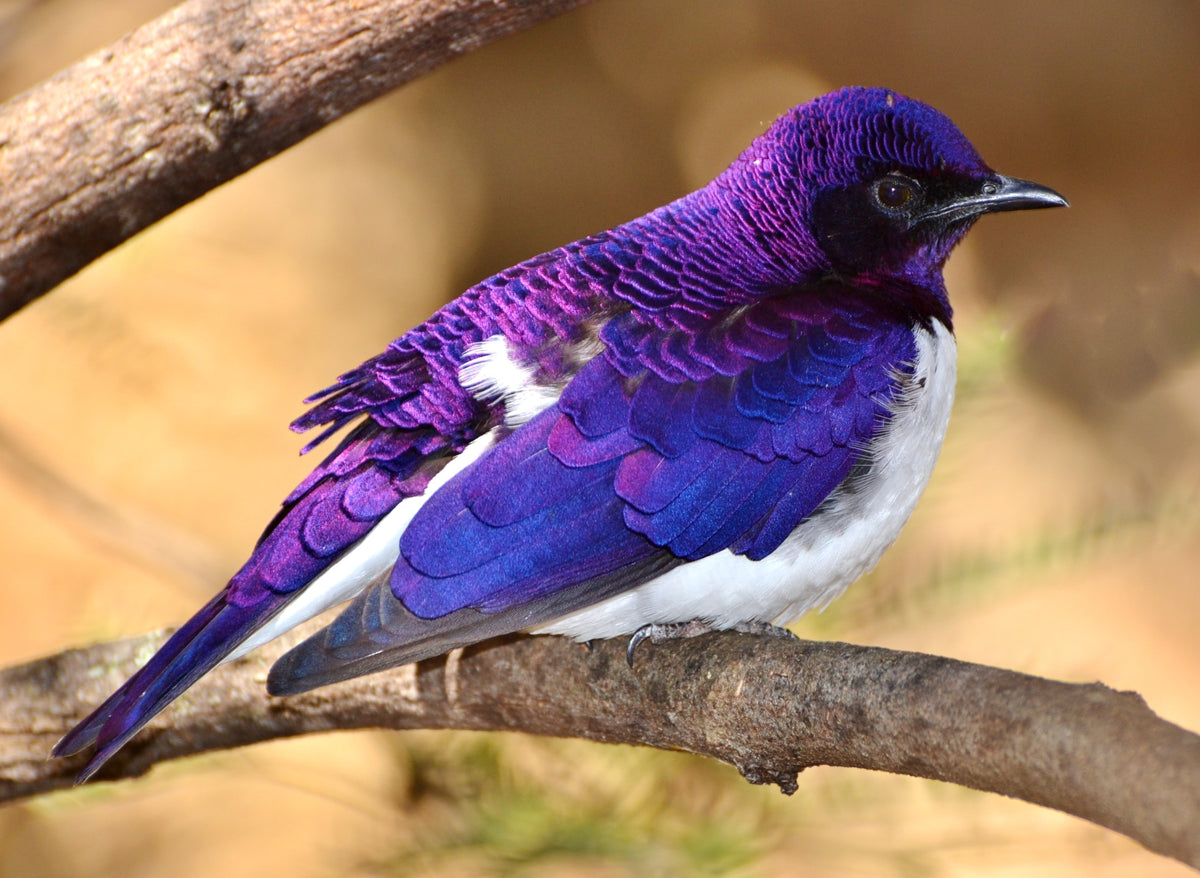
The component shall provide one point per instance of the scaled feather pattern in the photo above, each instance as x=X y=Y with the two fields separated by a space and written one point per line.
x=755 y=377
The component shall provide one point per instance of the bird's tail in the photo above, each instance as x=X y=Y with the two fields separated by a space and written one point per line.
x=190 y=653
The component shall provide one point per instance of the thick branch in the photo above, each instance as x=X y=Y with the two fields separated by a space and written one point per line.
x=196 y=97
x=769 y=706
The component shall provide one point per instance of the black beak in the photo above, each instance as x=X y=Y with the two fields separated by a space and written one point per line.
x=1009 y=193
x=997 y=194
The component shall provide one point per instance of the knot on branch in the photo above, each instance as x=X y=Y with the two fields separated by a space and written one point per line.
x=224 y=111
x=784 y=778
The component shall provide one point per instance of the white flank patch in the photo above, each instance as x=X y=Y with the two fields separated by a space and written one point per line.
x=369 y=558
x=491 y=375
x=822 y=556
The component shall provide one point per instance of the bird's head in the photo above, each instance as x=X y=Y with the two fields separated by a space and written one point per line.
x=867 y=185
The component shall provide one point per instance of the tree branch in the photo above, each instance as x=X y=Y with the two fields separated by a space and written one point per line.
x=769 y=706
x=106 y=147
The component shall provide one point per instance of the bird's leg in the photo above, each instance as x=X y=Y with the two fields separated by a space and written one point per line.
x=661 y=633
x=765 y=629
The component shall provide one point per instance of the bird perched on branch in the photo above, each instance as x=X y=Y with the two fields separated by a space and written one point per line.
x=720 y=413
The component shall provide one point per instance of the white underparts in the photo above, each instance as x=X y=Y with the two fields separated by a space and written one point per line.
x=814 y=565
x=831 y=549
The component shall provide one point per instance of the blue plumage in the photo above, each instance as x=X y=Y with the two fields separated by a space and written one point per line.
x=722 y=410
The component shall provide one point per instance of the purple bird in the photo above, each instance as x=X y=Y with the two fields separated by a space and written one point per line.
x=722 y=412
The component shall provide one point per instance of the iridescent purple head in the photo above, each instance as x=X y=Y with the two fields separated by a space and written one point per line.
x=866 y=184
x=858 y=133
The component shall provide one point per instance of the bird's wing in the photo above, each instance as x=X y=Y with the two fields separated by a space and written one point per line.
x=372 y=469
x=414 y=416
x=670 y=446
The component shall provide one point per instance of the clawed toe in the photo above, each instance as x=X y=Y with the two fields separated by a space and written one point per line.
x=662 y=633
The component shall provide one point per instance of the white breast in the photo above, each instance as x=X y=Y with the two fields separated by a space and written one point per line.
x=827 y=552
x=812 y=567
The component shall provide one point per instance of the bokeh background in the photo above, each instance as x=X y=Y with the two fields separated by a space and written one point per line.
x=143 y=408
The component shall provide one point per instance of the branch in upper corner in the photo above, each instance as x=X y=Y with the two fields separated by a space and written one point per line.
x=768 y=706
x=111 y=145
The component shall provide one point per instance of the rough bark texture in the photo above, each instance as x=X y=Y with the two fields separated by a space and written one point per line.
x=196 y=97
x=769 y=706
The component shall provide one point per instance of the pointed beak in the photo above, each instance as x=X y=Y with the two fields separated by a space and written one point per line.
x=996 y=194
x=1009 y=193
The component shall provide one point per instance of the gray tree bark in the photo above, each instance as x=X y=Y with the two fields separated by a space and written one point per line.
x=767 y=705
x=214 y=87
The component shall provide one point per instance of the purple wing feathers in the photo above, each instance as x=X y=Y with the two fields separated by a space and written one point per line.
x=709 y=422
x=634 y=464
x=413 y=412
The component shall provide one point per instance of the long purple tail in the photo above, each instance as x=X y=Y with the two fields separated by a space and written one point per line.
x=331 y=510
x=191 y=652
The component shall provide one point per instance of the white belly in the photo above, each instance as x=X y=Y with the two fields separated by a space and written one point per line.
x=822 y=556
x=812 y=567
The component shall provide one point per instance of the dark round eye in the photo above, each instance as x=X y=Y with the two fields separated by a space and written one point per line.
x=894 y=192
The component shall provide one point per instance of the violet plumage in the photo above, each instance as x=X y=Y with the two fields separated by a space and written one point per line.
x=724 y=410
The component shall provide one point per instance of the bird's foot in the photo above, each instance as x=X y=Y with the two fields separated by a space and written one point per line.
x=763 y=629
x=661 y=633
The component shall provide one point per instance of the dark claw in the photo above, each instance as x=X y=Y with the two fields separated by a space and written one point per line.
x=661 y=633
x=635 y=640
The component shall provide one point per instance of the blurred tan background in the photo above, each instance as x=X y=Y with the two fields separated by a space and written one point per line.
x=143 y=412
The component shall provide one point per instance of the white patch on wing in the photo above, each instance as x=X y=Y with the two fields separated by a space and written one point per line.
x=370 y=558
x=823 y=555
x=491 y=375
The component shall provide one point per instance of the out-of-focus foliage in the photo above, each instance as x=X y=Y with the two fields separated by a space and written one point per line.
x=474 y=804
x=143 y=404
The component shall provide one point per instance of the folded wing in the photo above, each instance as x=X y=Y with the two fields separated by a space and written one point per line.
x=640 y=466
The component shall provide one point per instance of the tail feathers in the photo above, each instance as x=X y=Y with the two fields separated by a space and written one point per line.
x=376 y=631
x=373 y=633
x=190 y=653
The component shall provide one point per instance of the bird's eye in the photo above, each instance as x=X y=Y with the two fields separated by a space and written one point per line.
x=895 y=193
